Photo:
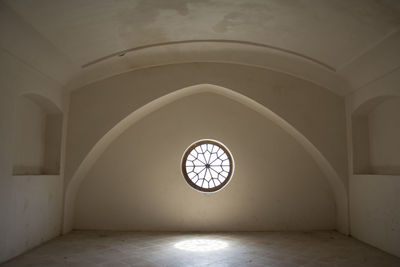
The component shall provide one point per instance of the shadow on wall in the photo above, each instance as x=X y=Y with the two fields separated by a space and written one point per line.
x=376 y=131
x=38 y=130
x=334 y=180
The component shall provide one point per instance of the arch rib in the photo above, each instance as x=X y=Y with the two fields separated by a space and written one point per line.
x=337 y=185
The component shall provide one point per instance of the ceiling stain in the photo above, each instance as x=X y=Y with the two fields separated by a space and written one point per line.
x=230 y=20
x=85 y=30
x=256 y=14
x=144 y=21
x=371 y=11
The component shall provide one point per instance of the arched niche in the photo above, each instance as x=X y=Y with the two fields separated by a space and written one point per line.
x=37 y=138
x=376 y=131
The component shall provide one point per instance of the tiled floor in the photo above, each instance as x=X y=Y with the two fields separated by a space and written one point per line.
x=102 y=248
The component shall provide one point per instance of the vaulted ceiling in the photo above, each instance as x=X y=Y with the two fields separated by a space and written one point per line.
x=328 y=33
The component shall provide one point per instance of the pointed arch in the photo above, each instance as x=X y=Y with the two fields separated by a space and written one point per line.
x=337 y=185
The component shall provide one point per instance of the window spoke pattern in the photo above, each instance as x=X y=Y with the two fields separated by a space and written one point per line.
x=207 y=165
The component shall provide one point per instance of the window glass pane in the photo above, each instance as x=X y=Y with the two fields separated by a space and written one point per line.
x=207 y=165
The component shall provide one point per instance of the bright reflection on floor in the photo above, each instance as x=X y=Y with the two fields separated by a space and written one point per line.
x=201 y=245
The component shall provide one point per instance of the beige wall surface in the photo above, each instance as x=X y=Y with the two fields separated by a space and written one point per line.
x=375 y=214
x=314 y=111
x=30 y=205
x=374 y=198
x=137 y=183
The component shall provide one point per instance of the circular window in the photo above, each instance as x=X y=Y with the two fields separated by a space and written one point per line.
x=207 y=165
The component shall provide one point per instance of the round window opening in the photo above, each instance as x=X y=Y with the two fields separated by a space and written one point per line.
x=207 y=165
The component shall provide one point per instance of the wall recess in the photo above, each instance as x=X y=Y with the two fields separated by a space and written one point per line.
x=37 y=138
x=376 y=142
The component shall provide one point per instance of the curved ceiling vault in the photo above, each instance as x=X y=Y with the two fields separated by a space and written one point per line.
x=324 y=35
x=334 y=180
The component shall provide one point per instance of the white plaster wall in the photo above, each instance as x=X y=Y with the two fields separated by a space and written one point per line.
x=37 y=211
x=137 y=184
x=375 y=212
x=384 y=137
x=30 y=206
x=374 y=199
